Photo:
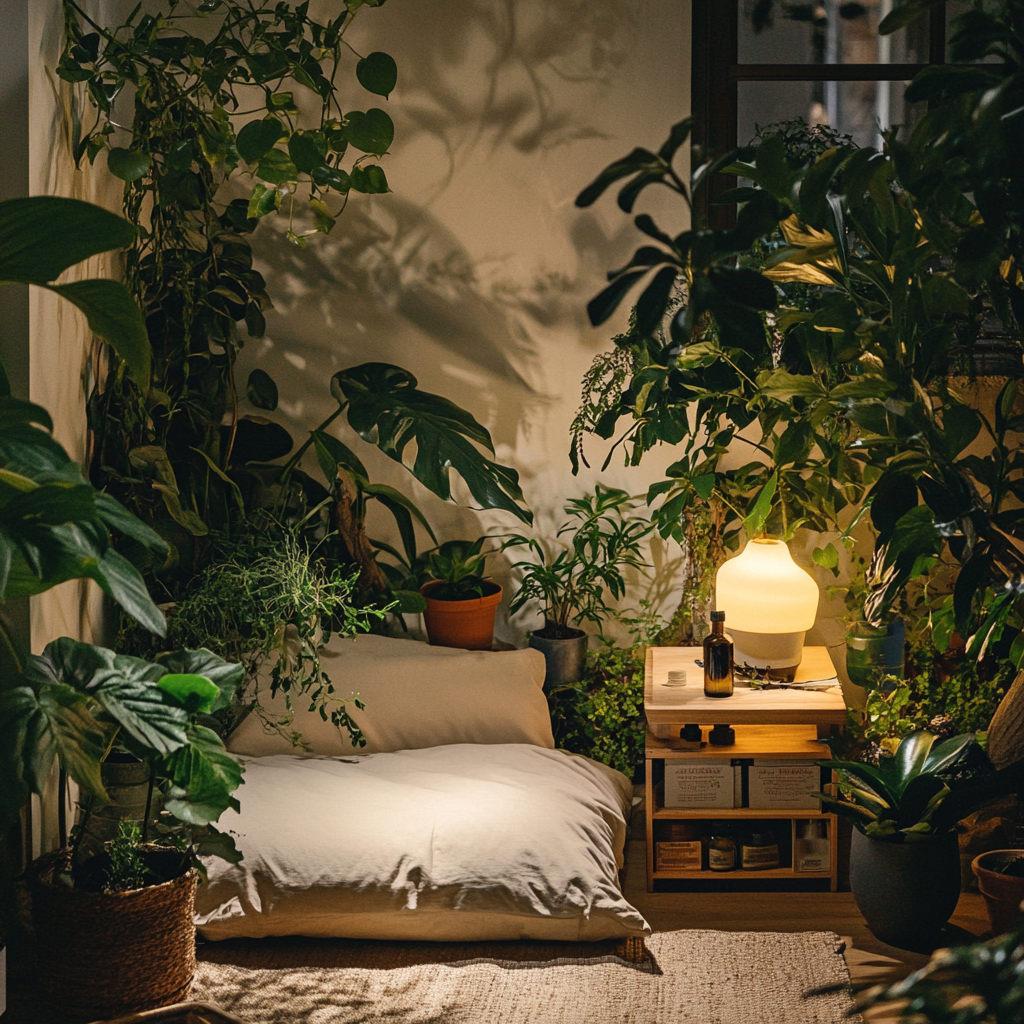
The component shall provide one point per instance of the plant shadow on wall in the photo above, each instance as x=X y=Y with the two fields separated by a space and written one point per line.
x=189 y=447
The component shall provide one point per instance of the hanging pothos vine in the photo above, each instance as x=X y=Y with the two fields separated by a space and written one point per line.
x=188 y=107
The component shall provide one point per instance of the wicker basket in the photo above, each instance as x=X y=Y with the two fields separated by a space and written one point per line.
x=100 y=956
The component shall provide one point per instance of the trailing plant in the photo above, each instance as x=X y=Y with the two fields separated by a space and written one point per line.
x=602 y=539
x=848 y=386
x=921 y=791
x=268 y=599
x=190 y=448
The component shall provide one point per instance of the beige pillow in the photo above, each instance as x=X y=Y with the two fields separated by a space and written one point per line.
x=415 y=696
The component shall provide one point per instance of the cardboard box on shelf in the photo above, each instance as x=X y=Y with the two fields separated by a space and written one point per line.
x=781 y=785
x=711 y=783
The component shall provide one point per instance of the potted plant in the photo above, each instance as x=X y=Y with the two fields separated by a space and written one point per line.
x=106 y=951
x=1000 y=875
x=601 y=540
x=460 y=602
x=905 y=859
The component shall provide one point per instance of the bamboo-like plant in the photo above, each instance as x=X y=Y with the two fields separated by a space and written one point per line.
x=571 y=578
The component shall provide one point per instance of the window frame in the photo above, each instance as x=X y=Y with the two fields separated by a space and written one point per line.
x=715 y=96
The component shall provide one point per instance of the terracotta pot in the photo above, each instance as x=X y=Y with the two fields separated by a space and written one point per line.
x=1003 y=894
x=906 y=891
x=467 y=624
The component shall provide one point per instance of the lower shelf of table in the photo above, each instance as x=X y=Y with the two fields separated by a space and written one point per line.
x=730 y=813
x=739 y=875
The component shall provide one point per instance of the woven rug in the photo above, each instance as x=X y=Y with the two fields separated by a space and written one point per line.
x=689 y=977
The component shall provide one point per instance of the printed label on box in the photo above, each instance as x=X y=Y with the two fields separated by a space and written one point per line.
x=777 y=785
x=699 y=784
x=679 y=856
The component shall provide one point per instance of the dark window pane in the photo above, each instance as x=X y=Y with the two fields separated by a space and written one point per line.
x=854 y=108
x=826 y=32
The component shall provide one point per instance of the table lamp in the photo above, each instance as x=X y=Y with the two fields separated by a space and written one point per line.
x=769 y=604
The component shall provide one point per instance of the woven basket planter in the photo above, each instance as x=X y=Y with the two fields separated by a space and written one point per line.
x=101 y=956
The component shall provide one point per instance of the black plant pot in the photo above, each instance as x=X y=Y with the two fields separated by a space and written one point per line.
x=906 y=891
x=565 y=658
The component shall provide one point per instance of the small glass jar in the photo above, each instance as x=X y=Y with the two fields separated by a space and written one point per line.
x=721 y=850
x=760 y=852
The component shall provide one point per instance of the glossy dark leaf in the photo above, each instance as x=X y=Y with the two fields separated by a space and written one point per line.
x=127 y=164
x=261 y=390
x=377 y=72
x=369 y=179
x=258 y=440
x=114 y=315
x=307 y=151
x=607 y=301
x=41 y=236
x=332 y=453
x=653 y=301
x=631 y=164
x=387 y=409
x=257 y=137
x=372 y=132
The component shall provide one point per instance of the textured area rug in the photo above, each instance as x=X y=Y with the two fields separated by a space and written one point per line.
x=690 y=977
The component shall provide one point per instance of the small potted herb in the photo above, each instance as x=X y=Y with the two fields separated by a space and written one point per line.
x=461 y=602
x=600 y=541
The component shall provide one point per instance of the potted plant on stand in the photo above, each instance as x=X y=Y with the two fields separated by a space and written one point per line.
x=461 y=603
x=602 y=539
x=905 y=859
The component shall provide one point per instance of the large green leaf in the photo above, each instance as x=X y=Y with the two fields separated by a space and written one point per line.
x=225 y=675
x=386 y=408
x=115 y=316
x=62 y=724
x=377 y=73
x=125 y=687
x=195 y=693
x=202 y=778
x=41 y=236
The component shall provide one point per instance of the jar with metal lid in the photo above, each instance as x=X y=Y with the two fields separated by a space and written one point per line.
x=721 y=850
x=760 y=852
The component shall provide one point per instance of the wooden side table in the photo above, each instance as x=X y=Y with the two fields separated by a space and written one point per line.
x=771 y=725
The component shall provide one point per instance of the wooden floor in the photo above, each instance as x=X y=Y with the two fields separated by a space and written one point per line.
x=870 y=961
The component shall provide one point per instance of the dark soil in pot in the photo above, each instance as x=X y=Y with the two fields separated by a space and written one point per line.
x=553 y=632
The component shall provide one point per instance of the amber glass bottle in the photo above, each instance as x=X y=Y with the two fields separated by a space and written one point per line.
x=718 y=659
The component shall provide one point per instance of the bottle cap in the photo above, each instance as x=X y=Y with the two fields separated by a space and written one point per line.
x=691 y=733
x=722 y=736
x=762 y=839
x=718 y=616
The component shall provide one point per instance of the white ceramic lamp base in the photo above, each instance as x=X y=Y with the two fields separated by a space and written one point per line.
x=777 y=653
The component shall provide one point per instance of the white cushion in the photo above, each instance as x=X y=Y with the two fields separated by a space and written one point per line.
x=415 y=696
x=458 y=843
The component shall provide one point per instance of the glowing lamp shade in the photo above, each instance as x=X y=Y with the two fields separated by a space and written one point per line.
x=769 y=604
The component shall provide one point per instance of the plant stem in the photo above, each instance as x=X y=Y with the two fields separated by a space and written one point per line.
x=149 y=807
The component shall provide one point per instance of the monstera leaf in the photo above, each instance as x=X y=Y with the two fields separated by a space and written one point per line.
x=41 y=236
x=386 y=408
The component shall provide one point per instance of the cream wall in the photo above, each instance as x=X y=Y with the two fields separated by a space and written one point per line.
x=475 y=272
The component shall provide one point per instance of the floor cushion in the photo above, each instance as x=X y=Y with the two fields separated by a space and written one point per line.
x=466 y=842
